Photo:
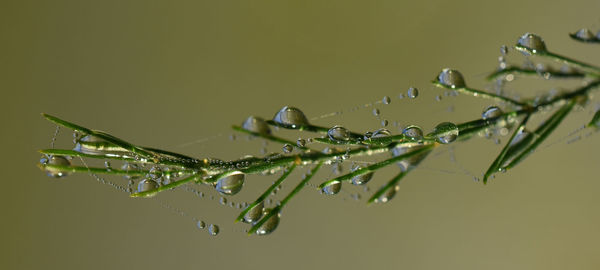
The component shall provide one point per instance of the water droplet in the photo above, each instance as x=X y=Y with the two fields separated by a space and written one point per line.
x=155 y=172
x=255 y=213
x=287 y=148
x=491 y=112
x=213 y=229
x=57 y=161
x=446 y=132
x=451 y=78
x=503 y=50
x=231 y=184
x=413 y=132
x=532 y=42
x=384 y=123
x=332 y=188
x=147 y=185
x=107 y=165
x=438 y=98
x=386 y=100
x=128 y=167
x=338 y=133
x=362 y=178
x=585 y=34
x=376 y=112
x=200 y=224
x=413 y=92
x=223 y=201
x=290 y=117
x=301 y=142
x=257 y=125
x=388 y=195
x=95 y=146
x=269 y=226
x=382 y=132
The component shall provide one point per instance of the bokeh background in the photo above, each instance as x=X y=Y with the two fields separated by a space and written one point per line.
x=177 y=74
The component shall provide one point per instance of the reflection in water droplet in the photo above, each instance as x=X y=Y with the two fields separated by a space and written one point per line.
x=362 y=178
x=332 y=188
x=376 y=112
x=287 y=148
x=213 y=229
x=200 y=224
x=413 y=92
x=232 y=184
x=386 y=100
x=255 y=213
x=413 y=132
x=491 y=112
x=147 y=185
x=257 y=125
x=269 y=226
x=301 y=142
x=384 y=123
x=446 y=132
x=57 y=161
x=338 y=133
x=451 y=78
x=290 y=117
x=382 y=132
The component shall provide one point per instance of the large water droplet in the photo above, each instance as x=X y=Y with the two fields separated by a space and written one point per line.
x=532 y=42
x=58 y=161
x=446 y=132
x=388 y=195
x=255 y=213
x=451 y=78
x=413 y=92
x=491 y=112
x=147 y=185
x=257 y=125
x=413 y=132
x=231 y=184
x=290 y=117
x=213 y=229
x=362 y=178
x=338 y=133
x=269 y=226
x=332 y=188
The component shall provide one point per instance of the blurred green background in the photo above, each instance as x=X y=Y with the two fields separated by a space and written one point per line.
x=168 y=73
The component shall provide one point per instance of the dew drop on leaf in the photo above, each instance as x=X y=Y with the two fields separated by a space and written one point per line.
x=451 y=78
x=57 y=161
x=269 y=226
x=532 y=42
x=338 y=133
x=491 y=112
x=147 y=185
x=332 y=188
x=413 y=132
x=446 y=132
x=362 y=178
x=255 y=213
x=257 y=125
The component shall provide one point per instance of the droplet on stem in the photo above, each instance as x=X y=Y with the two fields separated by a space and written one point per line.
x=290 y=117
x=257 y=125
x=231 y=184
x=451 y=78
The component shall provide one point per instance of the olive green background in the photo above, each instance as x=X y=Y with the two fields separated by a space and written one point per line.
x=166 y=73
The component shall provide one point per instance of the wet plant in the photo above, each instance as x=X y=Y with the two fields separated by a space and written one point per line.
x=160 y=171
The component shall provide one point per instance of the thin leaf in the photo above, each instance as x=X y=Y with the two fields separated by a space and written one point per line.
x=390 y=184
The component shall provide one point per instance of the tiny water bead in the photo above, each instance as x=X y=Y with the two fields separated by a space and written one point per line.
x=384 y=123
x=57 y=161
x=254 y=213
x=376 y=112
x=413 y=92
x=257 y=125
x=332 y=188
x=231 y=184
x=338 y=133
x=491 y=112
x=287 y=148
x=301 y=142
x=413 y=132
x=446 y=132
x=290 y=117
x=213 y=229
x=269 y=226
x=532 y=42
x=503 y=50
x=147 y=185
x=451 y=78
x=386 y=100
